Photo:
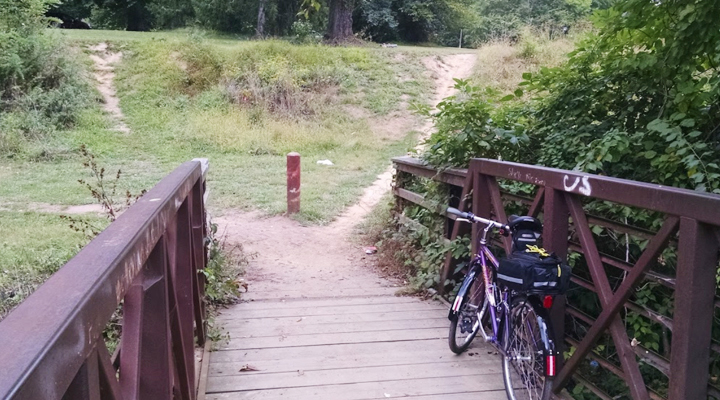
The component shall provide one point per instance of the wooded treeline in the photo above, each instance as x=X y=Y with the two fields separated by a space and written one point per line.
x=436 y=21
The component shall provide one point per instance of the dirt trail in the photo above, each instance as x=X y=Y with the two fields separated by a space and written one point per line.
x=442 y=70
x=321 y=261
x=104 y=62
x=104 y=74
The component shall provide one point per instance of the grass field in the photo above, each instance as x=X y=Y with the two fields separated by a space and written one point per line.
x=501 y=64
x=241 y=104
x=173 y=121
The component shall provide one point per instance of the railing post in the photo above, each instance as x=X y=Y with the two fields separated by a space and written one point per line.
x=181 y=263
x=555 y=239
x=145 y=361
x=197 y=239
x=481 y=199
x=694 y=295
x=458 y=229
x=86 y=385
x=399 y=183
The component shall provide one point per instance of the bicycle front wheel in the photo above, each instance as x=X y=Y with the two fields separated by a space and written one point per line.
x=527 y=346
x=467 y=322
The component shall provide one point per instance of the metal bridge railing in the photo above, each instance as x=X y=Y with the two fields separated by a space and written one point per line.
x=690 y=224
x=149 y=260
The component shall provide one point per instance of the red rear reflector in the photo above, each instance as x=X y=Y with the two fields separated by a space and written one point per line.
x=547 y=302
x=550 y=365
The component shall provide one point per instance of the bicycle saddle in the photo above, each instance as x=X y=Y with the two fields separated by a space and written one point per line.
x=518 y=223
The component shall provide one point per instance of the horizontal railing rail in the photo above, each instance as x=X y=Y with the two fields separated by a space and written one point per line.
x=690 y=224
x=149 y=261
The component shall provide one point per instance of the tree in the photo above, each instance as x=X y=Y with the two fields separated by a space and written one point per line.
x=260 y=30
x=340 y=21
x=76 y=9
x=504 y=18
x=376 y=19
x=171 y=14
x=138 y=17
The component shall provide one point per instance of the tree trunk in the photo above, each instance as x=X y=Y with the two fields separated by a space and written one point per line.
x=260 y=30
x=137 y=17
x=340 y=21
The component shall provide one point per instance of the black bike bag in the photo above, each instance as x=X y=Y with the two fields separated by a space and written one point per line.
x=528 y=271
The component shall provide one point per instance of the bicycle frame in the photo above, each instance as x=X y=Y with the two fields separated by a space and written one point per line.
x=498 y=305
x=496 y=301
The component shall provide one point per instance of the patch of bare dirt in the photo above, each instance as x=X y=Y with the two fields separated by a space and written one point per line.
x=393 y=126
x=104 y=62
x=443 y=71
x=60 y=209
x=295 y=261
x=356 y=111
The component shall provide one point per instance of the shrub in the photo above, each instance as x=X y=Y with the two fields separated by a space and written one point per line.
x=638 y=100
x=303 y=32
x=42 y=89
x=472 y=123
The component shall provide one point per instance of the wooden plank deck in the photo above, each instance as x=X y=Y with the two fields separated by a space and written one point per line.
x=319 y=323
x=347 y=348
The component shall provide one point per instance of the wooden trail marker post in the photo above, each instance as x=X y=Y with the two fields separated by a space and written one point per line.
x=293 y=183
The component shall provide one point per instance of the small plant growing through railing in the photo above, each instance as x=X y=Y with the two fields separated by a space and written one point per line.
x=223 y=283
x=225 y=263
x=104 y=191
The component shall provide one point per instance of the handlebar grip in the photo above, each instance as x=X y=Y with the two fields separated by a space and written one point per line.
x=458 y=213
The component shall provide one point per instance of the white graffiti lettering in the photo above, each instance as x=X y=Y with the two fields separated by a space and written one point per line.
x=585 y=189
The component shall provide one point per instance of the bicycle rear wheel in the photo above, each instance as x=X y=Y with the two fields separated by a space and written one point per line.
x=467 y=322
x=527 y=344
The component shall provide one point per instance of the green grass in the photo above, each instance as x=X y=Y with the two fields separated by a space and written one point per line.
x=99 y=35
x=33 y=246
x=500 y=64
x=173 y=121
x=184 y=97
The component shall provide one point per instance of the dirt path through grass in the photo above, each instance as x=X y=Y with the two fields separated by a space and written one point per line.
x=104 y=74
x=323 y=261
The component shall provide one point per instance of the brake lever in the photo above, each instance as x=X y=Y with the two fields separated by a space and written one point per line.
x=462 y=219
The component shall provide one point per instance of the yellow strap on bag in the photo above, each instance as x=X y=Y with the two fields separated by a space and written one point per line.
x=539 y=250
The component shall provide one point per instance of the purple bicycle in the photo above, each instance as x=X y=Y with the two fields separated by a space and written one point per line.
x=513 y=321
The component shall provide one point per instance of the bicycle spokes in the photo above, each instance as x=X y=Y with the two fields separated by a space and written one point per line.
x=525 y=354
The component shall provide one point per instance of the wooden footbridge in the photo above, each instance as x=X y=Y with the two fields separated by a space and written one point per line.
x=357 y=342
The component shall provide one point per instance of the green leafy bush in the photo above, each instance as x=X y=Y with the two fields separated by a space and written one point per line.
x=637 y=100
x=474 y=123
x=42 y=88
x=304 y=33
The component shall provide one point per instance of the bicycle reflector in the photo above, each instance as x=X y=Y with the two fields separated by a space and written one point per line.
x=550 y=365
x=548 y=302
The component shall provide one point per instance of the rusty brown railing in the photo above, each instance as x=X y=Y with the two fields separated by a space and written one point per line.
x=150 y=260
x=691 y=224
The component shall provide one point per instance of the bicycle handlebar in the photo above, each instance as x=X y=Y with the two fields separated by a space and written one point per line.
x=472 y=218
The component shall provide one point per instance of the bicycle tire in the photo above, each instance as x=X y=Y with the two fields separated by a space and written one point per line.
x=526 y=379
x=460 y=341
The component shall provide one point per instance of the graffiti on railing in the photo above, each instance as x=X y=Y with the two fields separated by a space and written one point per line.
x=585 y=189
x=527 y=177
